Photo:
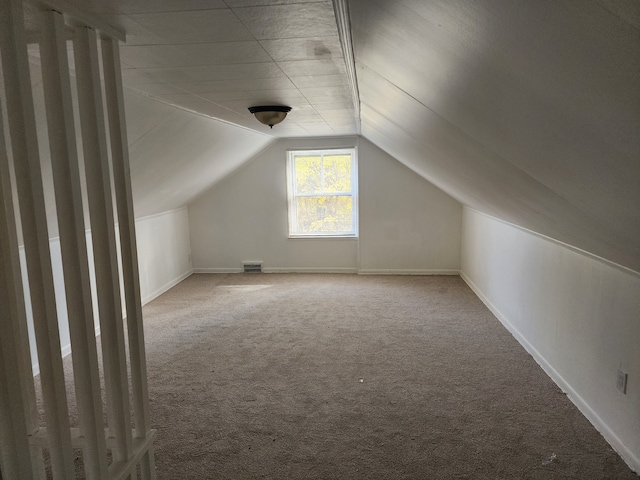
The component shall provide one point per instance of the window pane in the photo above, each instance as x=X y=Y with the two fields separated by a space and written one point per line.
x=308 y=174
x=330 y=214
x=337 y=173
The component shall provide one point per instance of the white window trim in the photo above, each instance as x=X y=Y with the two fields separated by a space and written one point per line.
x=291 y=204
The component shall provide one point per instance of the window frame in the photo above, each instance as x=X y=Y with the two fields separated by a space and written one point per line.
x=292 y=195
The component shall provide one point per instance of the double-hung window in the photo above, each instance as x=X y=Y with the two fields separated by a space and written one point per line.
x=323 y=193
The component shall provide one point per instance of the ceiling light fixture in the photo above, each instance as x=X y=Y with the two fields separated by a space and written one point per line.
x=270 y=115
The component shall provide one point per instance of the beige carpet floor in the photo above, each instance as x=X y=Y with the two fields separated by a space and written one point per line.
x=354 y=377
x=292 y=376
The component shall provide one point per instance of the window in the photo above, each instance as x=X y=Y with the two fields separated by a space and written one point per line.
x=323 y=193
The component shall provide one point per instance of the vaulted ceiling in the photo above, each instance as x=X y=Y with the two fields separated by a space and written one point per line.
x=220 y=57
x=528 y=111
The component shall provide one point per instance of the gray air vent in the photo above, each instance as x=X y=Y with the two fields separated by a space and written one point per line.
x=252 y=267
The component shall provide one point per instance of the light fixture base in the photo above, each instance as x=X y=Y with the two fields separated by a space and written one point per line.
x=270 y=114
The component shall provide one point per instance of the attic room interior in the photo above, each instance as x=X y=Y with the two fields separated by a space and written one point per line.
x=444 y=223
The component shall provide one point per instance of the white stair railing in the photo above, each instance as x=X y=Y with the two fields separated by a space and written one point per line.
x=118 y=449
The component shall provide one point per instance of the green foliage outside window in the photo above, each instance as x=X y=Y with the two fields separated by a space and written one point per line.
x=322 y=193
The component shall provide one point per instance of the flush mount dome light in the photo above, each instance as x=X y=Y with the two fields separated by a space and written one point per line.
x=270 y=115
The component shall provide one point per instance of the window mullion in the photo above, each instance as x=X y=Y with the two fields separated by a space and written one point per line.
x=294 y=176
x=293 y=202
x=322 y=173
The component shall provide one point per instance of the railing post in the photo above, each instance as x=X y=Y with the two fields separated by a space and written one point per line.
x=66 y=177
x=26 y=161
x=128 y=248
x=104 y=240
x=15 y=455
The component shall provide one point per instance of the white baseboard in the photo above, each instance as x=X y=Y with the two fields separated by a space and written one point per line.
x=609 y=435
x=366 y=271
x=400 y=271
x=279 y=270
x=310 y=270
x=217 y=270
x=166 y=287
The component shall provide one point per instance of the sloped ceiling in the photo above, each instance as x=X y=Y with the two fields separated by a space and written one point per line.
x=176 y=155
x=220 y=57
x=528 y=111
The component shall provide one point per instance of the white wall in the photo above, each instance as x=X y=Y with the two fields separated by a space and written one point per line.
x=245 y=218
x=576 y=314
x=164 y=260
x=406 y=224
x=61 y=305
x=164 y=252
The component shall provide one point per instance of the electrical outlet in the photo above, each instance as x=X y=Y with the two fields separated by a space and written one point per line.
x=622 y=381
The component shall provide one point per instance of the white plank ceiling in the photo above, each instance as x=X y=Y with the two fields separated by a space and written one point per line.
x=218 y=58
x=528 y=111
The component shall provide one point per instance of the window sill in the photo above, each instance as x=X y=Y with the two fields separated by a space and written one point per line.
x=324 y=237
